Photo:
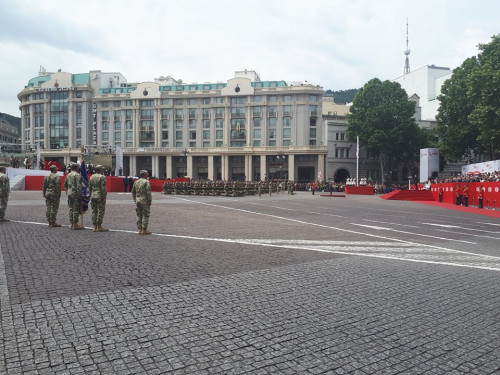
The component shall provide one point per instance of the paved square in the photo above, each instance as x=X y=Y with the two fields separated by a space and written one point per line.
x=274 y=285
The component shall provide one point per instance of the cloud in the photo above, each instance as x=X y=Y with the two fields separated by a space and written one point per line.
x=332 y=43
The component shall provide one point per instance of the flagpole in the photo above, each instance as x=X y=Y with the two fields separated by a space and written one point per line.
x=357 y=161
x=81 y=202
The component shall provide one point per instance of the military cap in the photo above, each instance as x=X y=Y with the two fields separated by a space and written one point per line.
x=143 y=172
x=99 y=167
x=53 y=166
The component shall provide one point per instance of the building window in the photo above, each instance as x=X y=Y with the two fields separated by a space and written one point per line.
x=271 y=133
x=287 y=133
x=178 y=125
x=312 y=133
x=287 y=98
x=118 y=136
x=287 y=142
x=218 y=144
x=238 y=100
x=313 y=98
x=192 y=124
x=256 y=122
x=287 y=121
x=206 y=100
x=147 y=103
x=165 y=101
x=219 y=123
x=257 y=98
x=129 y=103
x=192 y=144
x=147 y=114
x=105 y=125
x=105 y=137
x=312 y=142
x=206 y=134
x=219 y=134
x=164 y=112
x=192 y=101
x=206 y=124
x=272 y=122
x=206 y=144
x=192 y=135
x=164 y=134
x=256 y=142
x=272 y=98
x=219 y=100
x=117 y=103
x=129 y=136
x=178 y=135
x=312 y=121
x=164 y=124
x=118 y=125
x=129 y=125
x=104 y=104
x=256 y=133
x=272 y=143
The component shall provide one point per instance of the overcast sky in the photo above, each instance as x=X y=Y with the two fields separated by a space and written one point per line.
x=338 y=44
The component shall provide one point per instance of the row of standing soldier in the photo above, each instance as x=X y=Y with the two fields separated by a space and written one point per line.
x=227 y=188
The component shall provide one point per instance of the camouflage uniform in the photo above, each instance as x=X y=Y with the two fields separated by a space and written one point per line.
x=52 y=193
x=4 y=193
x=98 y=194
x=141 y=193
x=73 y=187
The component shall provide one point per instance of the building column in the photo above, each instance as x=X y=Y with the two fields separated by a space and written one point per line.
x=263 y=171
x=225 y=166
x=133 y=165
x=155 y=166
x=168 y=167
x=189 y=166
x=211 y=175
x=248 y=168
x=291 y=167
x=321 y=165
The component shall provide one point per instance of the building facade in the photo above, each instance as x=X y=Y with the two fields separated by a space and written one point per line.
x=242 y=129
x=9 y=134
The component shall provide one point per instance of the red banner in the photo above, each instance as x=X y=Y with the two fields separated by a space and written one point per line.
x=491 y=192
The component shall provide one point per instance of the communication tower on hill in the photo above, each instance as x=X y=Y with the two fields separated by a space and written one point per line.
x=407 y=52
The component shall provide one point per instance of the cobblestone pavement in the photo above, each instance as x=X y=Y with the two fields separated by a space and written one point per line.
x=278 y=285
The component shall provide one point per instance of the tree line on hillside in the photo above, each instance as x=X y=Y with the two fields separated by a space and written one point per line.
x=342 y=96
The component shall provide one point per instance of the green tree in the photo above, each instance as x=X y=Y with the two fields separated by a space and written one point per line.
x=382 y=116
x=468 y=120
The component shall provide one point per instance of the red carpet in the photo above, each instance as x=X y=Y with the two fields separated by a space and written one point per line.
x=473 y=210
x=409 y=195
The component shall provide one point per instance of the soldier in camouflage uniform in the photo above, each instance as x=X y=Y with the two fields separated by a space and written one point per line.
x=4 y=192
x=52 y=193
x=73 y=188
x=141 y=192
x=98 y=194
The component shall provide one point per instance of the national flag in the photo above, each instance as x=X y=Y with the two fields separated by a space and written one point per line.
x=85 y=187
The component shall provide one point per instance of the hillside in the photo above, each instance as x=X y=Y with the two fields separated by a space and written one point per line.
x=342 y=96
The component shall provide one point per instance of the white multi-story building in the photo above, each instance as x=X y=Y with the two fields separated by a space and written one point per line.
x=242 y=129
x=423 y=86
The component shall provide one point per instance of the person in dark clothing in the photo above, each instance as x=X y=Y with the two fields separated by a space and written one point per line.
x=125 y=184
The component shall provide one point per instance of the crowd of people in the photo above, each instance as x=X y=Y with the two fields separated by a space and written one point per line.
x=470 y=177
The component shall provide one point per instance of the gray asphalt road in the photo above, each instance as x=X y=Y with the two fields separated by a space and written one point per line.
x=274 y=285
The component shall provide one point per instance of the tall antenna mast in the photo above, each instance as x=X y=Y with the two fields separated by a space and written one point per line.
x=407 y=52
